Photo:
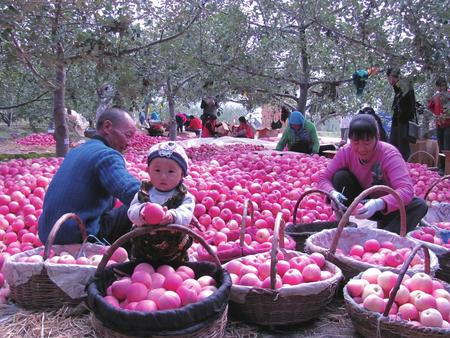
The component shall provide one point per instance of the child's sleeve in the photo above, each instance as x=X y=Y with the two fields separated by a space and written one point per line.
x=134 y=211
x=183 y=214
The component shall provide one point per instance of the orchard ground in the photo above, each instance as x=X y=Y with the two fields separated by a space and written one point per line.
x=221 y=170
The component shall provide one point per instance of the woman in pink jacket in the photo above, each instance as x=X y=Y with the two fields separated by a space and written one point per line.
x=366 y=162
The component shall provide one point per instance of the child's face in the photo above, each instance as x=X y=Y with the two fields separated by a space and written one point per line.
x=165 y=174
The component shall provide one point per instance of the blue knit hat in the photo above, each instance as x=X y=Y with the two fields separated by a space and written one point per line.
x=170 y=150
x=296 y=118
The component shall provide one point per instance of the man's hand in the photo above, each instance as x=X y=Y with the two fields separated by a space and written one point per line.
x=370 y=207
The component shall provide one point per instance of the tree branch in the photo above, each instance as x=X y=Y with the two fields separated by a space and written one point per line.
x=182 y=83
x=28 y=102
x=29 y=64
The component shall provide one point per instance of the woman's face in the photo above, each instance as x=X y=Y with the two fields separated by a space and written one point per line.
x=364 y=149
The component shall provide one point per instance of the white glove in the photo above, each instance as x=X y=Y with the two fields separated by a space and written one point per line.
x=340 y=198
x=370 y=207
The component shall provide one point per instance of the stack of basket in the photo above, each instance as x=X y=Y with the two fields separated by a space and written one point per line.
x=42 y=285
x=285 y=305
x=326 y=242
x=205 y=318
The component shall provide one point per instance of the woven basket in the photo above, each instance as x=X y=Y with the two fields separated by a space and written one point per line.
x=373 y=324
x=286 y=305
x=108 y=321
x=300 y=232
x=40 y=292
x=241 y=249
x=327 y=241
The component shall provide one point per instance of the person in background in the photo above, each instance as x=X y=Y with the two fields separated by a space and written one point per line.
x=167 y=165
x=300 y=136
x=154 y=117
x=142 y=117
x=244 y=129
x=366 y=162
x=370 y=111
x=404 y=110
x=195 y=125
x=181 y=119
x=210 y=126
x=439 y=105
x=88 y=182
x=345 y=121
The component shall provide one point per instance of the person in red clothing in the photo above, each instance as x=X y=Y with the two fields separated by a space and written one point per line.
x=439 y=105
x=244 y=129
x=195 y=125
x=210 y=126
x=181 y=119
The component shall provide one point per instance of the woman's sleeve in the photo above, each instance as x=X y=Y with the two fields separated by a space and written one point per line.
x=283 y=141
x=314 y=139
x=134 y=211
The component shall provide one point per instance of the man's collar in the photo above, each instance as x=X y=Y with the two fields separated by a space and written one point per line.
x=101 y=138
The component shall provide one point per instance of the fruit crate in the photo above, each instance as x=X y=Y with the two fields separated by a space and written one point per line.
x=205 y=318
x=377 y=324
x=326 y=241
x=301 y=231
x=284 y=305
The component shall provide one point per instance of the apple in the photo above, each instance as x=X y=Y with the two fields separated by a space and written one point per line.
x=153 y=213
x=431 y=318
x=374 y=303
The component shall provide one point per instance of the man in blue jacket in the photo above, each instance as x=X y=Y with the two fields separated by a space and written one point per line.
x=89 y=180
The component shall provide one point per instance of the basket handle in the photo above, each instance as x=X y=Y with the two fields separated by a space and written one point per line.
x=248 y=205
x=403 y=271
x=57 y=226
x=278 y=227
x=306 y=193
x=345 y=218
x=423 y=152
x=435 y=183
x=148 y=230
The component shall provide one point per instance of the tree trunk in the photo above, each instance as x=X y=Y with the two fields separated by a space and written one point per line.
x=305 y=69
x=172 y=122
x=61 y=132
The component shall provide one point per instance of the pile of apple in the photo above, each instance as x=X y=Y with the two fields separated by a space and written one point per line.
x=430 y=235
x=165 y=288
x=254 y=270
x=420 y=300
x=383 y=254
x=37 y=140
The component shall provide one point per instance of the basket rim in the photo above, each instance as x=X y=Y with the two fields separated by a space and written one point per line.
x=387 y=320
x=434 y=262
x=440 y=250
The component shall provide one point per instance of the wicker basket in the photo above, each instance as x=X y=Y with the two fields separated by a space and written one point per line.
x=189 y=321
x=443 y=254
x=326 y=241
x=373 y=324
x=300 y=232
x=240 y=249
x=286 y=305
x=39 y=291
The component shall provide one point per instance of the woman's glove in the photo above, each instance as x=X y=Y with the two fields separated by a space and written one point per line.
x=340 y=198
x=370 y=207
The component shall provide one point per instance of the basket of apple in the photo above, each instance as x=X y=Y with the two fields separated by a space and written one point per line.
x=301 y=231
x=407 y=304
x=148 y=299
x=51 y=276
x=357 y=249
x=241 y=242
x=281 y=287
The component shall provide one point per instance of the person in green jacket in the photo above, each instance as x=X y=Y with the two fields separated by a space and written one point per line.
x=300 y=136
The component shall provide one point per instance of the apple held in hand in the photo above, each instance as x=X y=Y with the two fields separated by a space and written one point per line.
x=153 y=213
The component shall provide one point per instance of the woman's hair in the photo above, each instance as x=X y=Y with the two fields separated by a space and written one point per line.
x=363 y=127
x=242 y=119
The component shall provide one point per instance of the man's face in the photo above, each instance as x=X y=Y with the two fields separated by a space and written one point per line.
x=392 y=80
x=120 y=135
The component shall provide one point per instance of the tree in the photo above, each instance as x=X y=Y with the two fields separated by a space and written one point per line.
x=47 y=37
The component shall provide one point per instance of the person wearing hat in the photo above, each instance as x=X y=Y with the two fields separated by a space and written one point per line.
x=167 y=165
x=244 y=129
x=301 y=136
x=404 y=110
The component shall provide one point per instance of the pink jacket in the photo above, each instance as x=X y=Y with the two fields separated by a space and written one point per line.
x=386 y=167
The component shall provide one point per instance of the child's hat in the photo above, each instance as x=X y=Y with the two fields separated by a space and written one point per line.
x=170 y=150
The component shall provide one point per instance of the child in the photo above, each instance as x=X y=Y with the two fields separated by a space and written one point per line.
x=167 y=165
